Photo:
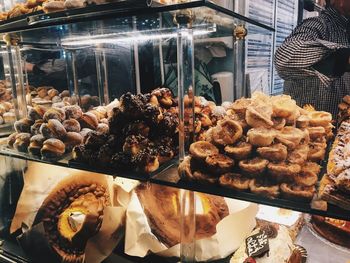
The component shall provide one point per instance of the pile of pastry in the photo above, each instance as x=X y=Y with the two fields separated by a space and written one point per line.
x=335 y=185
x=143 y=134
x=48 y=96
x=344 y=109
x=50 y=132
x=266 y=145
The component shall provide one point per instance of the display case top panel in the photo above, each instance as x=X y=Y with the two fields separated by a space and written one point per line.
x=202 y=11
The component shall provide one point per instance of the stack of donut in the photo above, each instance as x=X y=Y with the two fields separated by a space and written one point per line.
x=266 y=145
x=143 y=134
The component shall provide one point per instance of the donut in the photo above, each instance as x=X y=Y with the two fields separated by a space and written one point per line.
x=135 y=143
x=52 y=148
x=54 y=113
x=72 y=139
x=36 y=113
x=36 y=143
x=73 y=112
x=35 y=128
x=253 y=167
x=23 y=125
x=53 y=129
x=71 y=125
x=239 y=151
x=234 y=181
x=274 y=153
x=227 y=132
x=21 y=142
x=146 y=160
x=72 y=213
x=42 y=92
x=88 y=120
x=261 y=136
x=203 y=149
x=64 y=93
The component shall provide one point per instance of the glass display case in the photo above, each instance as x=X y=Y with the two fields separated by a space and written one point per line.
x=133 y=142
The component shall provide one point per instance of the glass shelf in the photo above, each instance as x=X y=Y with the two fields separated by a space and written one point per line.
x=167 y=175
x=203 y=9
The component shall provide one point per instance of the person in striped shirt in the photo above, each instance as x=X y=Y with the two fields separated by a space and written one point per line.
x=314 y=59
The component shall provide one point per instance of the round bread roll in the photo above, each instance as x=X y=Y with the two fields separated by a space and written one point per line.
x=71 y=125
x=53 y=148
x=88 y=120
x=72 y=213
x=53 y=129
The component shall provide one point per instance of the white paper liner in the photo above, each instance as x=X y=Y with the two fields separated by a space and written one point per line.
x=231 y=232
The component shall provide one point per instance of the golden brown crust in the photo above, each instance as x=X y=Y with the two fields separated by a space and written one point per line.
x=297 y=193
x=219 y=163
x=88 y=120
x=261 y=188
x=320 y=118
x=203 y=149
x=53 y=148
x=283 y=172
x=253 y=167
x=234 y=181
x=54 y=113
x=239 y=151
x=71 y=125
x=227 y=132
x=261 y=136
x=299 y=154
x=290 y=136
x=317 y=151
x=275 y=153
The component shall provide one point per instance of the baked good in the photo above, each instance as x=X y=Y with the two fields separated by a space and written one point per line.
x=261 y=136
x=239 y=151
x=316 y=132
x=278 y=123
x=283 y=106
x=303 y=122
x=259 y=114
x=227 y=132
x=36 y=113
x=88 y=120
x=22 y=142
x=219 y=163
x=253 y=167
x=277 y=249
x=308 y=175
x=52 y=93
x=35 y=128
x=54 y=113
x=202 y=149
x=234 y=181
x=240 y=106
x=9 y=117
x=320 y=118
x=73 y=112
x=162 y=208
x=69 y=4
x=36 y=143
x=317 y=151
x=184 y=169
x=72 y=213
x=146 y=160
x=23 y=125
x=102 y=128
x=290 y=136
x=53 y=148
x=274 y=153
x=299 y=155
x=133 y=144
x=283 y=172
x=71 y=125
x=342 y=181
x=72 y=139
x=165 y=153
x=42 y=92
x=297 y=192
x=11 y=139
x=53 y=129
x=264 y=188
x=335 y=230
x=53 y=6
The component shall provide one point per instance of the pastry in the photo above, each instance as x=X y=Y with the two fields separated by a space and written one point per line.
x=320 y=118
x=164 y=96
x=135 y=143
x=234 y=181
x=53 y=148
x=204 y=177
x=227 y=132
x=184 y=169
x=162 y=209
x=299 y=155
x=52 y=93
x=290 y=136
x=71 y=125
x=53 y=129
x=36 y=143
x=316 y=132
x=85 y=133
x=22 y=142
x=72 y=139
x=342 y=181
x=23 y=125
x=88 y=120
x=219 y=163
x=240 y=106
x=73 y=112
x=102 y=128
x=261 y=136
x=72 y=213
x=283 y=106
x=53 y=6
x=274 y=153
x=165 y=153
x=317 y=151
x=36 y=113
x=278 y=123
x=11 y=139
x=54 y=113
x=202 y=149
x=283 y=172
x=9 y=117
x=131 y=105
x=146 y=160
x=239 y=151
x=253 y=167
x=308 y=175
x=297 y=192
x=264 y=188
x=42 y=92
x=35 y=128
x=169 y=123
x=258 y=115
x=303 y=122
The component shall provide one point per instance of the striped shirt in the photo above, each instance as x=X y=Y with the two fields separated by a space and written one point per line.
x=313 y=61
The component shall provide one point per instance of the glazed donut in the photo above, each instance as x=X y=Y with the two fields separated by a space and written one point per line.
x=266 y=189
x=54 y=113
x=274 y=153
x=202 y=149
x=219 y=163
x=261 y=136
x=299 y=154
x=72 y=139
x=23 y=125
x=71 y=125
x=234 y=181
x=22 y=142
x=320 y=118
x=53 y=148
x=88 y=120
x=297 y=192
x=36 y=143
x=253 y=167
x=36 y=113
x=53 y=129
x=227 y=132
x=239 y=151
x=290 y=136
x=283 y=172
x=73 y=112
